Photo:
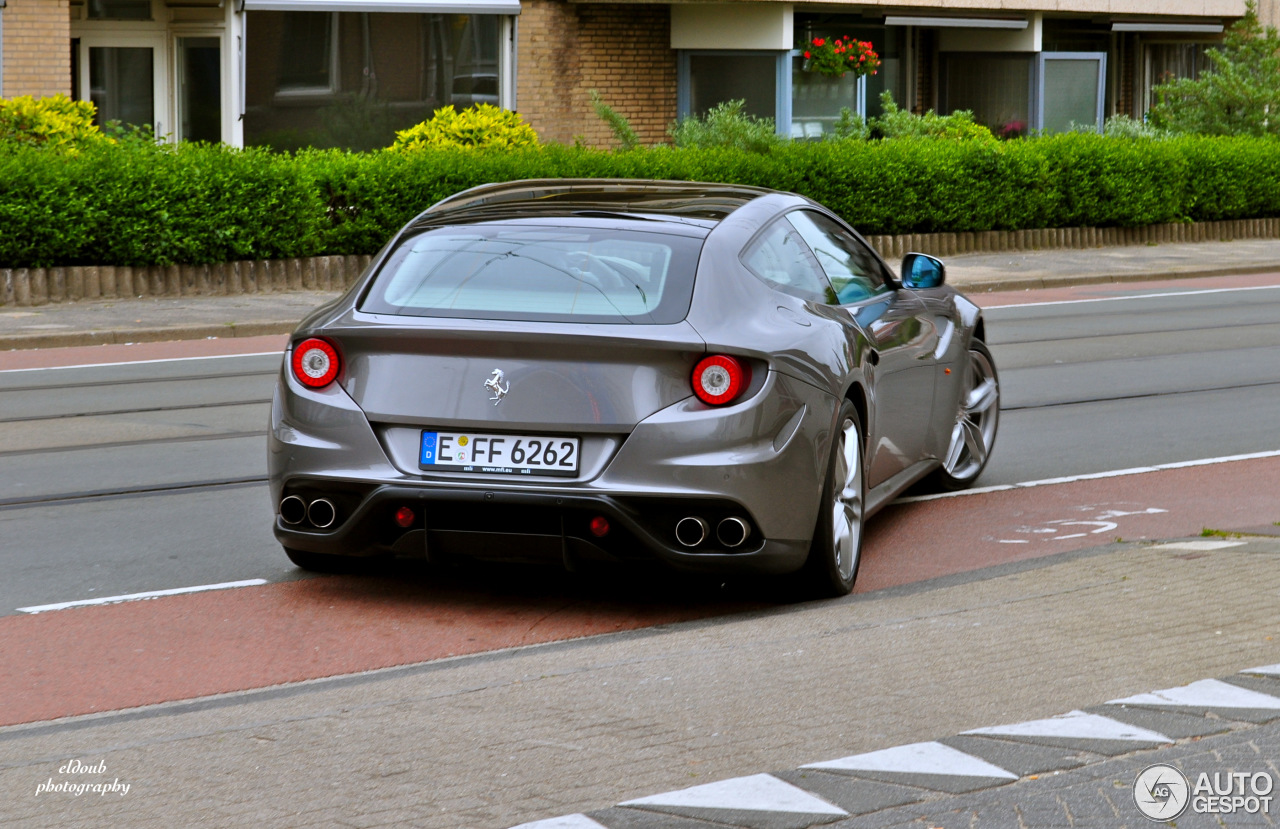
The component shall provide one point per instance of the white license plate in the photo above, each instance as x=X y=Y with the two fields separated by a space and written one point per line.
x=499 y=454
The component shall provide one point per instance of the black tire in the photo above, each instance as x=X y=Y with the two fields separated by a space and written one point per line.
x=977 y=420
x=834 y=557
x=323 y=562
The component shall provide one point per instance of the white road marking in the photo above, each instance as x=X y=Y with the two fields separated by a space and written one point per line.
x=1156 y=295
x=1207 y=693
x=134 y=597
x=578 y=821
x=1198 y=546
x=1077 y=725
x=1092 y=476
x=756 y=793
x=1269 y=670
x=918 y=758
x=279 y=353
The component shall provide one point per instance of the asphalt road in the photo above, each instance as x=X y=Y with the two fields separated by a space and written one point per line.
x=128 y=478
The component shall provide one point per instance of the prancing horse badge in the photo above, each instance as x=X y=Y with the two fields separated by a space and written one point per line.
x=495 y=385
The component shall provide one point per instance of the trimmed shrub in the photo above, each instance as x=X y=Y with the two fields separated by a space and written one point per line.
x=137 y=203
x=483 y=125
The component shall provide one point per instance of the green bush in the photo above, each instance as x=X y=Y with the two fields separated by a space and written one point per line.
x=483 y=125
x=726 y=125
x=137 y=203
x=56 y=122
x=900 y=123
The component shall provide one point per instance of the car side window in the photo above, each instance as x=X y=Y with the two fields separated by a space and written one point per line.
x=779 y=257
x=853 y=269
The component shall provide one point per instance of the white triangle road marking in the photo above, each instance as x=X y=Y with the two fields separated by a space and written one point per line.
x=578 y=821
x=1206 y=693
x=1077 y=725
x=755 y=793
x=918 y=758
x=1269 y=670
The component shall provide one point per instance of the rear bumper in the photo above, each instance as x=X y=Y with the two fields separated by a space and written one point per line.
x=528 y=526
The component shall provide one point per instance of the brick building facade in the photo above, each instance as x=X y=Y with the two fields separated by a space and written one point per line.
x=282 y=73
x=35 y=37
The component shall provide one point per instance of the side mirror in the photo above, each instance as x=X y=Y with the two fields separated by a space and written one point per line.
x=921 y=271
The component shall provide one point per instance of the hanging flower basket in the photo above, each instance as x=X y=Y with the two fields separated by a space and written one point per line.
x=839 y=57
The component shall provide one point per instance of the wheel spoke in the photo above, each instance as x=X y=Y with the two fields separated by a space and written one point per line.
x=982 y=397
x=952 y=461
x=975 y=442
x=846 y=512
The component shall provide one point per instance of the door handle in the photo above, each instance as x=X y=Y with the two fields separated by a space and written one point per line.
x=873 y=357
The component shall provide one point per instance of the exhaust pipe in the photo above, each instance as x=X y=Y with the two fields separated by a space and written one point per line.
x=322 y=513
x=732 y=531
x=293 y=509
x=691 y=531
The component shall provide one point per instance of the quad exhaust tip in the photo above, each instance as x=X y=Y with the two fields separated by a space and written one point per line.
x=732 y=531
x=691 y=531
x=293 y=510
x=320 y=513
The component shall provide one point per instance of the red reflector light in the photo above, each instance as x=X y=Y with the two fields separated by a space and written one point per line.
x=719 y=379
x=315 y=363
x=404 y=517
x=599 y=526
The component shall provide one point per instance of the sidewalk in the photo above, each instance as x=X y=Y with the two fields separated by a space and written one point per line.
x=200 y=317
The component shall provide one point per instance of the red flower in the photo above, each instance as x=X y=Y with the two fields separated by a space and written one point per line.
x=819 y=41
x=807 y=55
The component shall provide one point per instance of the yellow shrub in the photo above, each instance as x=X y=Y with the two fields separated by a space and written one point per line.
x=57 y=122
x=484 y=125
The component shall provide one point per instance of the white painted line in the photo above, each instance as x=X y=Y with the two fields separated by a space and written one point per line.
x=1092 y=476
x=279 y=353
x=1155 y=295
x=918 y=758
x=1207 y=693
x=134 y=597
x=1268 y=670
x=756 y=793
x=578 y=821
x=1198 y=546
x=1077 y=725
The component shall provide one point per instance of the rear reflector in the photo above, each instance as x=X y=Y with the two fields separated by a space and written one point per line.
x=315 y=363
x=719 y=379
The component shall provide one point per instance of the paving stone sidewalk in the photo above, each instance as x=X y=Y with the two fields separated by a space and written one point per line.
x=572 y=728
x=198 y=317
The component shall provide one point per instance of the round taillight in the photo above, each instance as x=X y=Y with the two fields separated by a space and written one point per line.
x=315 y=363
x=719 y=379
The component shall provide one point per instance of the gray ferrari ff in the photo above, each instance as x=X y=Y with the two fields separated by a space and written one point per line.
x=717 y=378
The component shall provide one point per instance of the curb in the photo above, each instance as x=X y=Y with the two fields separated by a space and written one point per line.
x=1030 y=282
x=121 y=336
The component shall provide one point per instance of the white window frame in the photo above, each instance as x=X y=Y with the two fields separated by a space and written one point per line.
x=782 y=81
x=1038 y=100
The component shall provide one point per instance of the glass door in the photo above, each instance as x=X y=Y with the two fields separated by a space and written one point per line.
x=124 y=77
x=199 y=89
x=1071 y=90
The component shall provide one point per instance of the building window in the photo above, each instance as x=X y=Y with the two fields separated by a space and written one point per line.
x=307 y=56
x=1165 y=62
x=708 y=78
x=119 y=9
x=351 y=80
x=995 y=87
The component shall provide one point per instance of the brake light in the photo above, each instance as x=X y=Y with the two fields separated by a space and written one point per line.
x=719 y=379
x=315 y=363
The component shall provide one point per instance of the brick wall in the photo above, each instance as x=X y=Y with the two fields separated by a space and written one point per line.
x=623 y=51
x=37 y=48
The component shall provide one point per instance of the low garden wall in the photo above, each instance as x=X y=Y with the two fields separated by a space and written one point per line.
x=24 y=287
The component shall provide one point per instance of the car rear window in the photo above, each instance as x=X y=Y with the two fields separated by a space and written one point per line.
x=539 y=273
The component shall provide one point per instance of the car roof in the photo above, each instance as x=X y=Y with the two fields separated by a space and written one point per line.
x=682 y=202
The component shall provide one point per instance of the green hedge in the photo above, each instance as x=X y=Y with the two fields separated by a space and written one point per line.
x=132 y=204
